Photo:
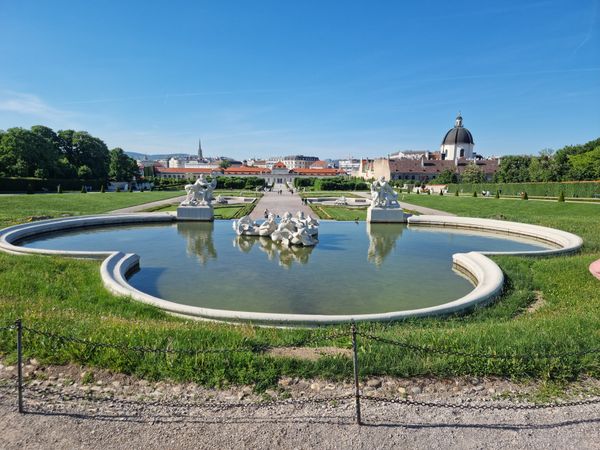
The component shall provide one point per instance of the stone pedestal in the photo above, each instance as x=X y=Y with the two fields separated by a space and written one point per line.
x=386 y=215
x=199 y=213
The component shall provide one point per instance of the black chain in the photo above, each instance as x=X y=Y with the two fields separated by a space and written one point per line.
x=310 y=340
x=482 y=406
x=142 y=349
x=157 y=403
x=439 y=351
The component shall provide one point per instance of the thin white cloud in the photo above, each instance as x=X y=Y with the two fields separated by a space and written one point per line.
x=30 y=105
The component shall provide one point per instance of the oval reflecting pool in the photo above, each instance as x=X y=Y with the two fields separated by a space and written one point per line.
x=354 y=269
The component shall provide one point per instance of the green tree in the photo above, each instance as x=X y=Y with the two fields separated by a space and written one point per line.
x=585 y=166
x=82 y=149
x=84 y=172
x=224 y=164
x=121 y=167
x=472 y=174
x=513 y=169
x=446 y=177
x=543 y=167
x=22 y=152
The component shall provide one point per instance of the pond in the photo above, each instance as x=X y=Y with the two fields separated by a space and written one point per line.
x=355 y=268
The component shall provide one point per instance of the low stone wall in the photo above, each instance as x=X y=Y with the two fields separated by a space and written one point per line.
x=484 y=272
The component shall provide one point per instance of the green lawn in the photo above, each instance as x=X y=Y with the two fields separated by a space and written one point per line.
x=339 y=212
x=18 y=208
x=67 y=296
x=349 y=194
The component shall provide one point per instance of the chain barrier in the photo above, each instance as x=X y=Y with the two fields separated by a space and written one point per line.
x=41 y=393
x=257 y=348
x=425 y=349
x=482 y=406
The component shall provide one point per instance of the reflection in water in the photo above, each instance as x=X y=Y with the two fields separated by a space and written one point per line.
x=287 y=255
x=382 y=240
x=199 y=240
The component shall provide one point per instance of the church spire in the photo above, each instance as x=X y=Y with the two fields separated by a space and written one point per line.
x=200 y=149
x=458 y=122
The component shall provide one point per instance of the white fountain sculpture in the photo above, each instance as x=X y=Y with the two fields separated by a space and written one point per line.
x=384 y=204
x=199 y=193
x=341 y=201
x=382 y=194
x=301 y=230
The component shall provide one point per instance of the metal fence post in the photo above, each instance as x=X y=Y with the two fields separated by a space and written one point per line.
x=356 y=386
x=19 y=327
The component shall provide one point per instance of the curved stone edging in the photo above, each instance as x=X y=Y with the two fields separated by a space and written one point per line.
x=595 y=268
x=116 y=265
x=566 y=242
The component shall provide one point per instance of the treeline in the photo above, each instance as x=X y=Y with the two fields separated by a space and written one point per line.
x=222 y=182
x=331 y=184
x=570 y=163
x=42 y=153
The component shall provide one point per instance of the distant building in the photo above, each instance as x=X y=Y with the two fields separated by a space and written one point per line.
x=456 y=154
x=350 y=166
x=278 y=174
x=458 y=142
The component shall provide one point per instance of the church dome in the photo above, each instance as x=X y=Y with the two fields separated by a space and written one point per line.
x=458 y=134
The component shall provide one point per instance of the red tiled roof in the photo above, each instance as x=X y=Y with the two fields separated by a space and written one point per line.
x=186 y=170
x=433 y=166
x=318 y=165
x=246 y=170
x=279 y=165
x=321 y=172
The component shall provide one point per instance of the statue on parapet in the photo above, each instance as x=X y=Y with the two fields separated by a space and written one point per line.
x=382 y=194
x=200 y=192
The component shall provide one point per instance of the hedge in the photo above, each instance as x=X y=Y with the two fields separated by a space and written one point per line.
x=23 y=184
x=550 y=189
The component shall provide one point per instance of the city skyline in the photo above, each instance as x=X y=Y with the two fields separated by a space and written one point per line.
x=313 y=79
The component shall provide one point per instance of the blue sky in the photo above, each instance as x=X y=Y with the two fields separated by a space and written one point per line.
x=325 y=78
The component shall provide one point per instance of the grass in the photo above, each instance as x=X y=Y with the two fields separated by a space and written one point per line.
x=348 y=194
x=18 y=208
x=67 y=296
x=339 y=212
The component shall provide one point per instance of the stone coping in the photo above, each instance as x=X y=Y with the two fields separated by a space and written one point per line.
x=116 y=265
x=595 y=268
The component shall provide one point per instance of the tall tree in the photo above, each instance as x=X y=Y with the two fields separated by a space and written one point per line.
x=472 y=174
x=22 y=152
x=121 y=167
x=513 y=169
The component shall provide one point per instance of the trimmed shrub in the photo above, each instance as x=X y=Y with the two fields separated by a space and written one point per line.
x=83 y=190
x=59 y=189
x=551 y=189
x=561 y=197
x=30 y=189
x=474 y=193
x=524 y=196
x=102 y=189
x=456 y=193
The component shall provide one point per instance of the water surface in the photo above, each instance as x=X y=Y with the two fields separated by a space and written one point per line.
x=354 y=269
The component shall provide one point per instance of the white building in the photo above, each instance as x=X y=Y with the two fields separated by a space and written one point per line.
x=457 y=143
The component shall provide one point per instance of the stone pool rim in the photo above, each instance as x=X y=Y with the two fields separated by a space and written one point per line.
x=485 y=273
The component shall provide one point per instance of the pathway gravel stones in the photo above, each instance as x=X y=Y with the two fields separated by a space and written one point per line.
x=137 y=413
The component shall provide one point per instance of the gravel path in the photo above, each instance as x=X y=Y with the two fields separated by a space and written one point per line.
x=140 y=414
x=279 y=204
x=145 y=206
